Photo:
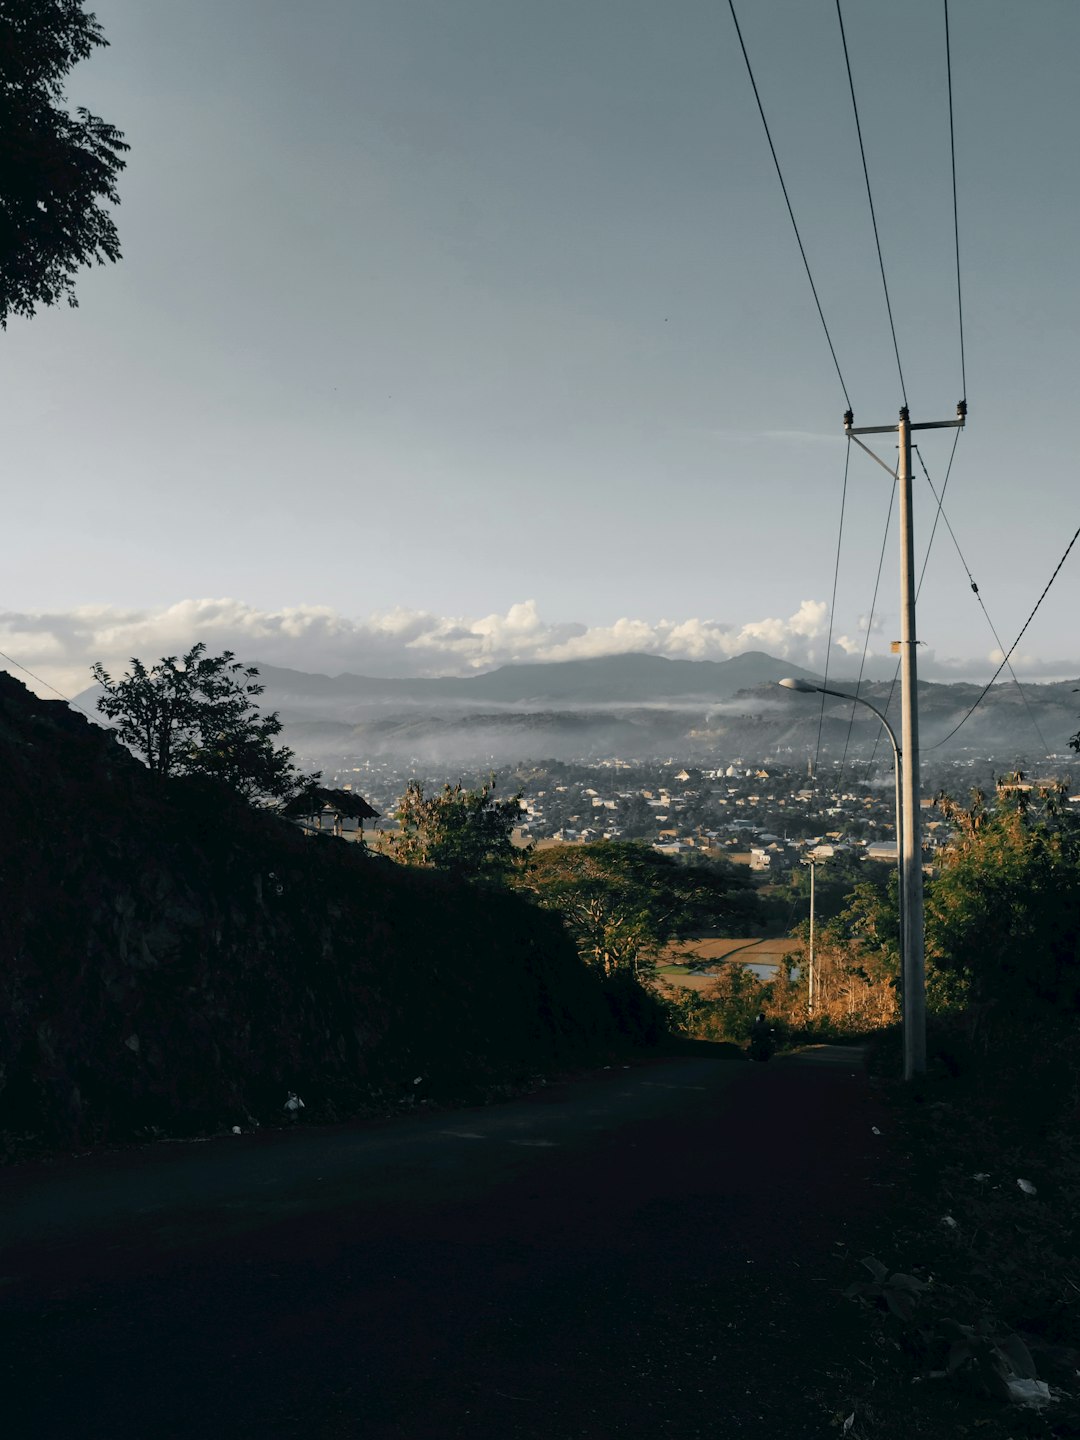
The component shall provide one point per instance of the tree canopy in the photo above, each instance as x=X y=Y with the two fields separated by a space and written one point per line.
x=1003 y=917
x=468 y=833
x=623 y=902
x=196 y=715
x=1002 y=920
x=56 y=168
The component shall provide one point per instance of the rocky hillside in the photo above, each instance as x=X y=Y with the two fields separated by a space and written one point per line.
x=172 y=960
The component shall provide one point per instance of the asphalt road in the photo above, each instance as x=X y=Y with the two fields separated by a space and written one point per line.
x=636 y=1252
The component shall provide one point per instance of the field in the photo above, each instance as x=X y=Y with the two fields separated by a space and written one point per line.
x=692 y=964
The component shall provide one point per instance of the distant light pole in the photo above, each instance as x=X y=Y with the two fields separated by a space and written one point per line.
x=810 y=976
x=914 y=1009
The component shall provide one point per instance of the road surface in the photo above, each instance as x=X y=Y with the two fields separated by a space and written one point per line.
x=635 y=1252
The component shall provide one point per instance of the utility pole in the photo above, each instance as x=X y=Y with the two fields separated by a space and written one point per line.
x=912 y=936
x=810 y=970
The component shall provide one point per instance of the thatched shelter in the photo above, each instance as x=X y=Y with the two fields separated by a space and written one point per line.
x=318 y=804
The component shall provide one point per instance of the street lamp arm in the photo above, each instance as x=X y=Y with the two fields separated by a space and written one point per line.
x=808 y=687
x=858 y=700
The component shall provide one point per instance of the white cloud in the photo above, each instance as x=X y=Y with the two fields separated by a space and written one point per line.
x=60 y=647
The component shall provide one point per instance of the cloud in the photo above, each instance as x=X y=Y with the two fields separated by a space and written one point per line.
x=60 y=647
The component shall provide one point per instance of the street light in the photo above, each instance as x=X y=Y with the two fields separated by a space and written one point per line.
x=806 y=687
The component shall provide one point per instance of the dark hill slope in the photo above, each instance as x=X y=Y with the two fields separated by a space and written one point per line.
x=172 y=959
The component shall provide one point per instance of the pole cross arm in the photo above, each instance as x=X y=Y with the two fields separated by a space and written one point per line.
x=852 y=429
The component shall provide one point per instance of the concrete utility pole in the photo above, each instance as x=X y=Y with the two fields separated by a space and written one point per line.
x=810 y=975
x=912 y=928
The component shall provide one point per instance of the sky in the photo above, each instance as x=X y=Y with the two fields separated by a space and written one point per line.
x=450 y=333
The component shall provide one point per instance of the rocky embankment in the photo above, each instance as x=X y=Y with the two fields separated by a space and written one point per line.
x=172 y=960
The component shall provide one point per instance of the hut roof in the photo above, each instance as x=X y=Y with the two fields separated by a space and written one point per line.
x=342 y=802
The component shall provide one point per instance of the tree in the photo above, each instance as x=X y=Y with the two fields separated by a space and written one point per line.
x=623 y=902
x=55 y=168
x=1002 y=922
x=637 y=818
x=856 y=963
x=196 y=716
x=1003 y=917
x=467 y=833
x=834 y=881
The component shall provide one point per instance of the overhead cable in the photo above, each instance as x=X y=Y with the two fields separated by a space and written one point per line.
x=832 y=606
x=869 y=628
x=922 y=576
x=982 y=603
x=1013 y=646
x=956 y=221
x=20 y=666
x=870 y=198
x=787 y=202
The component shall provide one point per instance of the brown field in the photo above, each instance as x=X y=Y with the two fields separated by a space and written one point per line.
x=704 y=957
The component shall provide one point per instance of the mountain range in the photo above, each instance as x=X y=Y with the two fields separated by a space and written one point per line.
x=606 y=680
x=641 y=707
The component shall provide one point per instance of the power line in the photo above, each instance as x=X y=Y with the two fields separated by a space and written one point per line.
x=938 y=512
x=982 y=602
x=1012 y=647
x=870 y=198
x=922 y=576
x=787 y=201
x=19 y=666
x=869 y=628
x=956 y=221
x=832 y=606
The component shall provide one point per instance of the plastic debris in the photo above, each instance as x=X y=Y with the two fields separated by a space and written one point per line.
x=982 y=1175
x=293 y=1104
x=132 y=1042
x=236 y=1130
x=1032 y=1393
x=1027 y=1187
x=849 y=1422
x=418 y=1079
x=875 y=1129
x=949 y=1221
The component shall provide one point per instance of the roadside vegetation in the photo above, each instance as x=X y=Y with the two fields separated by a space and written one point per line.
x=971 y=1280
x=969 y=1277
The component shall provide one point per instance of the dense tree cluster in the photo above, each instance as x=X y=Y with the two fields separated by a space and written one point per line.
x=56 y=169
x=623 y=902
x=196 y=716
x=466 y=833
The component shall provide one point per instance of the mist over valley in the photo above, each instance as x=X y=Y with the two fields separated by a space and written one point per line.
x=644 y=707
